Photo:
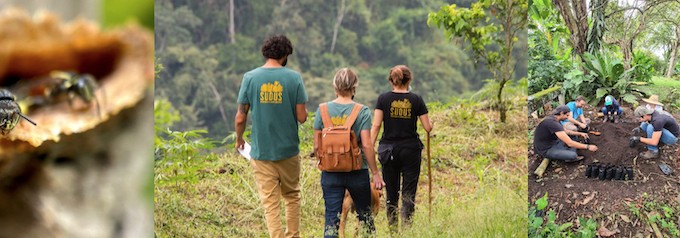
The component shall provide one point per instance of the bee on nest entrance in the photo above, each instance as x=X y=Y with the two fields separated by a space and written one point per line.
x=79 y=90
x=10 y=112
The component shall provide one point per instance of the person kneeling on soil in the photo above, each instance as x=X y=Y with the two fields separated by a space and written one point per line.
x=659 y=127
x=575 y=120
x=553 y=142
x=611 y=110
x=652 y=103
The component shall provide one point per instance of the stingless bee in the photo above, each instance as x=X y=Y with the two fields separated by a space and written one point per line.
x=10 y=112
x=59 y=86
x=71 y=85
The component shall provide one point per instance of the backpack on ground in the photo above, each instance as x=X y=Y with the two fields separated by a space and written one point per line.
x=338 y=149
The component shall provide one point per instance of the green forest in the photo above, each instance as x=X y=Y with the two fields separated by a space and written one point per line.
x=610 y=48
x=204 y=51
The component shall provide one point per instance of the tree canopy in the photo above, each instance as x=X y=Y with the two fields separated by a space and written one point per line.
x=205 y=54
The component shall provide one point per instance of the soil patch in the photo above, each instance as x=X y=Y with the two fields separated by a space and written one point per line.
x=572 y=194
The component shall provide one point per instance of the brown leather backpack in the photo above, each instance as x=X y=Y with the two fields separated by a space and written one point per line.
x=338 y=149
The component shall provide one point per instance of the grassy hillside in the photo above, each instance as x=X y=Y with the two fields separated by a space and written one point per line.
x=479 y=186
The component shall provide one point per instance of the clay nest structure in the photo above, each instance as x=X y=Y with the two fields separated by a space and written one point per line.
x=77 y=173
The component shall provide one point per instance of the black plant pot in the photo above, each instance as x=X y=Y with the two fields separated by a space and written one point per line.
x=618 y=175
x=589 y=170
x=611 y=171
x=629 y=173
x=602 y=172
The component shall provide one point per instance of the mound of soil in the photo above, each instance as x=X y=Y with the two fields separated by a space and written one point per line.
x=572 y=194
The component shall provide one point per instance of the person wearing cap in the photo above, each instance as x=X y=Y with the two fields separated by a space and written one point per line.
x=654 y=104
x=552 y=141
x=611 y=110
x=659 y=128
x=575 y=120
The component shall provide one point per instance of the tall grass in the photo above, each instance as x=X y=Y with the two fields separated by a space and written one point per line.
x=479 y=185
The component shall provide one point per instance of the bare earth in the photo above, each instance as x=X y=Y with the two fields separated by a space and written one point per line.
x=571 y=194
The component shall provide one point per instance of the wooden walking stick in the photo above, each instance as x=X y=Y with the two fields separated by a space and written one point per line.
x=429 y=179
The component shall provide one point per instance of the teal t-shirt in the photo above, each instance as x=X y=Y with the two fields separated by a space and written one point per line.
x=575 y=111
x=339 y=113
x=272 y=94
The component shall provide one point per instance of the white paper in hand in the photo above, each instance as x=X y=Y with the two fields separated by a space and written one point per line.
x=245 y=152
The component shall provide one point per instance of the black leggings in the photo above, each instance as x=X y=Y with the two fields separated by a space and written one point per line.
x=406 y=166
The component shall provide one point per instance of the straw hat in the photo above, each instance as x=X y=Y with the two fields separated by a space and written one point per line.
x=654 y=99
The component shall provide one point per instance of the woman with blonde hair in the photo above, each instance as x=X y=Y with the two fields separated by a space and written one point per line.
x=356 y=182
x=400 y=146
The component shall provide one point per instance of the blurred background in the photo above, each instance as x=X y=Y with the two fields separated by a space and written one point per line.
x=107 y=12
x=93 y=183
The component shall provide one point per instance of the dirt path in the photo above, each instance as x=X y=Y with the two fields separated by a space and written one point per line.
x=573 y=195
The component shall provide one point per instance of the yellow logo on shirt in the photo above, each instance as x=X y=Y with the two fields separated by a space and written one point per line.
x=401 y=109
x=339 y=121
x=271 y=93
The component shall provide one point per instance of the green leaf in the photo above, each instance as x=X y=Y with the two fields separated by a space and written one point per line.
x=601 y=92
x=552 y=215
x=630 y=98
x=564 y=226
x=542 y=202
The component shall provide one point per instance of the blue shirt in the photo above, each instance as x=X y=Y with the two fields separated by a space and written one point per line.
x=575 y=112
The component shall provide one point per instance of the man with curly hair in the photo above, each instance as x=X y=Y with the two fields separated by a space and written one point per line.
x=276 y=96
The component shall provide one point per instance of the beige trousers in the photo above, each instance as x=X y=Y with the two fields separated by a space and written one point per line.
x=275 y=179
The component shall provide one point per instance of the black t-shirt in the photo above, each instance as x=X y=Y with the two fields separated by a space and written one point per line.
x=544 y=135
x=400 y=114
x=661 y=121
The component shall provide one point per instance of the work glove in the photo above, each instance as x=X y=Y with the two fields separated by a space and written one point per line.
x=636 y=130
x=633 y=141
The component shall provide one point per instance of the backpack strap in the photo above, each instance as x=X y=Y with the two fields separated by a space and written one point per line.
x=353 y=115
x=325 y=117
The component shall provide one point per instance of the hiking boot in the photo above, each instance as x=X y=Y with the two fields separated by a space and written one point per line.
x=649 y=154
x=616 y=119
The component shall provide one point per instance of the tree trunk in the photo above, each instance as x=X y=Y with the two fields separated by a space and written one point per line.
x=218 y=98
x=232 y=30
x=575 y=15
x=338 y=21
x=502 y=110
x=627 y=51
x=674 y=54
x=507 y=63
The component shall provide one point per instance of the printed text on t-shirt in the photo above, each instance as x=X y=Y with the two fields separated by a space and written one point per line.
x=401 y=109
x=271 y=93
